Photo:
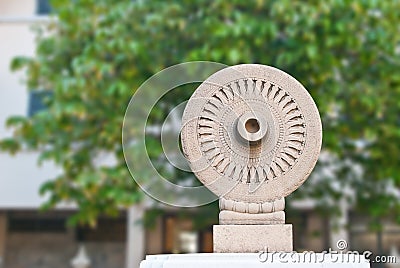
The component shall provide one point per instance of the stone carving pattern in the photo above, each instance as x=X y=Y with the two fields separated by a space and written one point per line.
x=269 y=158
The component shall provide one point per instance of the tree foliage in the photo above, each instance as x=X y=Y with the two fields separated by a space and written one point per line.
x=96 y=53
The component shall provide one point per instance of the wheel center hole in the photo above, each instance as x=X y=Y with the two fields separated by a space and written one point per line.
x=252 y=125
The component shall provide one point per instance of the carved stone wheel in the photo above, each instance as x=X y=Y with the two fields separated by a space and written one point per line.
x=251 y=133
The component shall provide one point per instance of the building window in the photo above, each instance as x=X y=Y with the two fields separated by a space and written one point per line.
x=181 y=237
x=107 y=230
x=38 y=101
x=43 y=7
x=32 y=222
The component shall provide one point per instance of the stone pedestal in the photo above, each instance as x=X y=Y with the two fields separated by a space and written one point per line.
x=252 y=135
x=255 y=260
x=252 y=238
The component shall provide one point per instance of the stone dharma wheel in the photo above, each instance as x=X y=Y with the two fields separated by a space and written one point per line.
x=251 y=134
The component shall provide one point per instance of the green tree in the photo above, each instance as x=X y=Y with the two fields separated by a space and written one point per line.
x=94 y=56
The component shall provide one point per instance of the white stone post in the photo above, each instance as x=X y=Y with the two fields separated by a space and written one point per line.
x=81 y=260
x=135 y=248
x=338 y=226
x=394 y=252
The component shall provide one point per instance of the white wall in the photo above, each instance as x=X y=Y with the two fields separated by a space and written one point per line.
x=17 y=7
x=20 y=177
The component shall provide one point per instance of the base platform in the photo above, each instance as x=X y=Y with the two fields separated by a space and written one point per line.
x=256 y=260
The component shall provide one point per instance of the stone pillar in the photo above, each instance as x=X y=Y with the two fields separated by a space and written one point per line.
x=135 y=244
x=3 y=234
x=338 y=228
x=81 y=260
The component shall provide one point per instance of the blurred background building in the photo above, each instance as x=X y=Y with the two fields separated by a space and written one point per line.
x=29 y=238
x=32 y=238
